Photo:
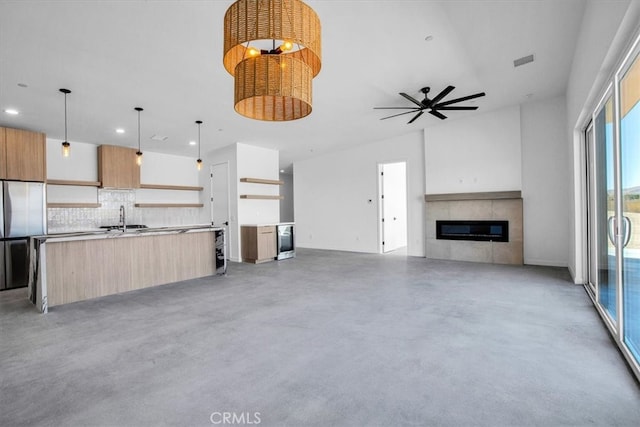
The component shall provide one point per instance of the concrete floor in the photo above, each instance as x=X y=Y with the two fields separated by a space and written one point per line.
x=326 y=339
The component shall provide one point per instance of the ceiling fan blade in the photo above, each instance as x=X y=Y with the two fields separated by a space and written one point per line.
x=464 y=98
x=394 y=108
x=396 y=115
x=446 y=91
x=438 y=115
x=457 y=108
x=412 y=99
x=415 y=117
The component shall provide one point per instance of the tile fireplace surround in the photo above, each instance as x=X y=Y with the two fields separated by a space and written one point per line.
x=503 y=205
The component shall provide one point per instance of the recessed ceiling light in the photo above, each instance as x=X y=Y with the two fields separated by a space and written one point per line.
x=12 y=111
x=192 y=143
x=281 y=170
x=159 y=137
x=119 y=130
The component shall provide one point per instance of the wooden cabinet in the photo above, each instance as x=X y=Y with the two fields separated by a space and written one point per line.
x=81 y=269
x=117 y=167
x=24 y=157
x=258 y=243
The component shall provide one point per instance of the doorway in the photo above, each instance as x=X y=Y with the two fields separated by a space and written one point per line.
x=220 y=201
x=392 y=188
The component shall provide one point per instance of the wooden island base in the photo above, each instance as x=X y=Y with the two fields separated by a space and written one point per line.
x=78 y=267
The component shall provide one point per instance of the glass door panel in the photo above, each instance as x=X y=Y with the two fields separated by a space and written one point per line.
x=630 y=183
x=592 y=220
x=604 y=195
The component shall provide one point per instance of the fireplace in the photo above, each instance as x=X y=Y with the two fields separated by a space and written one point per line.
x=476 y=227
x=483 y=231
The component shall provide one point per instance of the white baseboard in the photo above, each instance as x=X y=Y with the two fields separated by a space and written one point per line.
x=545 y=262
x=578 y=280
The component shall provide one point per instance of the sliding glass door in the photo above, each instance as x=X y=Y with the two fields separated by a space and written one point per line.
x=603 y=208
x=613 y=204
x=630 y=187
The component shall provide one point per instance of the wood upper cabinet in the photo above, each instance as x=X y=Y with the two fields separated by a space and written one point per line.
x=25 y=155
x=259 y=243
x=3 y=154
x=117 y=167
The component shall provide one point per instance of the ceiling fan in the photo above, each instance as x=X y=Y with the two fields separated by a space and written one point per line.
x=434 y=106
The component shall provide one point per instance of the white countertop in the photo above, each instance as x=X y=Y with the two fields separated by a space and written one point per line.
x=267 y=224
x=134 y=232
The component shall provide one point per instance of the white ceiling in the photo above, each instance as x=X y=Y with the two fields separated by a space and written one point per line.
x=166 y=56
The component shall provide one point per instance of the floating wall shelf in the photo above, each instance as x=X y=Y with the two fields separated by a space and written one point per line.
x=76 y=183
x=491 y=195
x=169 y=187
x=168 y=205
x=260 y=196
x=74 y=205
x=262 y=181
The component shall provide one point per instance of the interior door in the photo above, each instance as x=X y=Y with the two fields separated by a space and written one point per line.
x=220 y=212
x=630 y=185
x=394 y=205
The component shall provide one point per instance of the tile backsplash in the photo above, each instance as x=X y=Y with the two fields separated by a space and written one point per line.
x=61 y=220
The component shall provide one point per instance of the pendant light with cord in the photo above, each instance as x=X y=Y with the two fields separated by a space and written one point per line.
x=199 y=161
x=139 y=153
x=66 y=147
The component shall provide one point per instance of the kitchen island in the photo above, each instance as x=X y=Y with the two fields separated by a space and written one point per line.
x=74 y=267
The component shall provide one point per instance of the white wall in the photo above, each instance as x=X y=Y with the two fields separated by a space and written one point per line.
x=607 y=29
x=160 y=168
x=286 y=204
x=167 y=169
x=81 y=165
x=476 y=154
x=336 y=195
x=516 y=148
x=245 y=161
x=263 y=163
x=545 y=182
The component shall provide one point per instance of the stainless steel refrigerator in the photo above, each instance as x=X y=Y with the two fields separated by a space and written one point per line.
x=22 y=214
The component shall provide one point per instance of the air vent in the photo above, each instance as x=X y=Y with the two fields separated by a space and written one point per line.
x=159 y=138
x=524 y=60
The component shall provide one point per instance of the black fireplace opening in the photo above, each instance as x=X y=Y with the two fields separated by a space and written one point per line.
x=484 y=231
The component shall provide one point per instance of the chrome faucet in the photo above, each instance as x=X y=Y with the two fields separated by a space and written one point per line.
x=123 y=222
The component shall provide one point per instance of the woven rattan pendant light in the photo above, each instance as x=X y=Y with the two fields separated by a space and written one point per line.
x=273 y=49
